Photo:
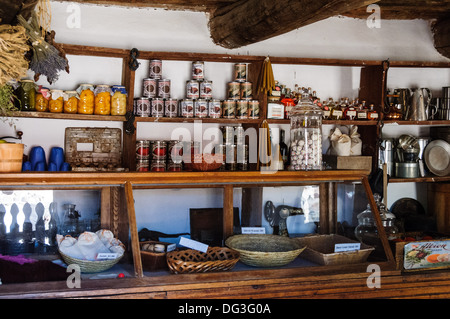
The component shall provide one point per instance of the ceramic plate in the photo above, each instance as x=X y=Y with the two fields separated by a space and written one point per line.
x=437 y=157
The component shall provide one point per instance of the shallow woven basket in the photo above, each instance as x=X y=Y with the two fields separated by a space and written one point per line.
x=265 y=250
x=209 y=162
x=194 y=261
x=90 y=266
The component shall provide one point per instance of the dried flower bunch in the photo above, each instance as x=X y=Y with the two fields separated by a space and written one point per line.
x=13 y=45
x=46 y=59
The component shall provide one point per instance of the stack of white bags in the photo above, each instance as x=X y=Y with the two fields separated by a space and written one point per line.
x=89 y=245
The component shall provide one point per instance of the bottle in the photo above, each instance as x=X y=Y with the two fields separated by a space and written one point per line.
x=361 y=113
x=372 y=115
x=327 y=107
x=284 y=149
x=336 y=111
x=280 y=162
x=350 y=112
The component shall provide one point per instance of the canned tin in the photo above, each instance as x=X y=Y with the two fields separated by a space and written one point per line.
x=187 y=108
x=142 y=165
x=164 y=88
x=143 y=149
x=228 y=134
x=253 y=109
x=149 y=88
x=198 y=70
x=159 y=150
x=241 y=109
x=201 y=108
x=157 y=107
x=171 y=108
x=206 y=90
x=158 y=165
x=175 y=151
x=229 y=109
x=215 y=109
x=234 y=90
x=246 y=91
x=174 y=167
x=192 y=89
x=155 y=69
x=240 y=72
x=142 y=106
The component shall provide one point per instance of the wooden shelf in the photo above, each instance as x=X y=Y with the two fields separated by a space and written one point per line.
x=403 y=122
x=67 y=116
x=195 y=119
x=426 y=179
x=328 y=122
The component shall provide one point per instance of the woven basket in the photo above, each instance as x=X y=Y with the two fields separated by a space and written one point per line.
x=206 y=162
x=265 y=250
x=194 y=261
x=90 y=266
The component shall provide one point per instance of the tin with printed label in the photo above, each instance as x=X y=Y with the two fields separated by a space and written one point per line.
x=171 y=108
x=187 y=108
x=164 y=88
x=142 y=106
x=198 y=70
x=159 y=150
x=215 y=109
x=229 y=109
x=142 y=165
x=246 y=91
x=234 y=90
x=240 y=72
x=241 y=109
x=149 y=88
x=158 y=165
x=143 y=149
x=157 y=107
x=192 y=89
x=155 y=70
x=206 y=90
x=201 y=108
x=253 y=109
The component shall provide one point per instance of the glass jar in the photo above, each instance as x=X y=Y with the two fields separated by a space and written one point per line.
x=388 y=221
x=86 y=99
x=306 y=135
x=56 y=102
x=42 y=99
x=27 y=95
x=102 y=104
x=119 y=100
x=366 y=231
x=71 y=102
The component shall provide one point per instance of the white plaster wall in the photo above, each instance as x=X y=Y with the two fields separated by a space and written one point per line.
x=162 y=30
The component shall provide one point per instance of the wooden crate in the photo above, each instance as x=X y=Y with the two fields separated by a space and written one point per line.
x=152 y=261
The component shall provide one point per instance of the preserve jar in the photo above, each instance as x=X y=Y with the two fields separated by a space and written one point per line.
x=27 y=95
x=71 y=102
x=86 y=100
x=306 y=135
x=366 y=231
x=118 y=100
x=42 y=99
x=56 y=102
x=102 y=104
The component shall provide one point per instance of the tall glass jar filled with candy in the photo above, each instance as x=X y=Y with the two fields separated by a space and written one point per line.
x=306 y=135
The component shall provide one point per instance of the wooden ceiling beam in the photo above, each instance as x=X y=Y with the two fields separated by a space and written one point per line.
x=251 y=21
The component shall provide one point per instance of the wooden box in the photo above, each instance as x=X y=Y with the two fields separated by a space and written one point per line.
x=349 y=162
x=152 y=261
x=320 y=250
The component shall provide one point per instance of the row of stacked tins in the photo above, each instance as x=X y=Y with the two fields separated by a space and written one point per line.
x=175 y=156
x=199 y=101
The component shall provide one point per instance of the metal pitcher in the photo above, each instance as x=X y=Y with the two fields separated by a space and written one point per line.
x=404 y=98
x=420 y=103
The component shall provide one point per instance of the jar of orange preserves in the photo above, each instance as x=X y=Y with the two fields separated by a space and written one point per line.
x=86 y=99
x=71 y=102
x=42 y=99
x=102 y=105
x=119 y=100
x=56 y=102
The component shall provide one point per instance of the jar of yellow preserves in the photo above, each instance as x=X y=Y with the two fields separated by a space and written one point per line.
x=71 y=102
x=42 y=99
x=86 y=99
x=56 y=102
x=102 y=104
x=119 y=100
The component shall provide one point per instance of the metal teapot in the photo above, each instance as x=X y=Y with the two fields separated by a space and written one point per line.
x=420 y=102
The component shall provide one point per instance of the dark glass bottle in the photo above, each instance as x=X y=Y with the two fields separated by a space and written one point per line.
x=284 y=151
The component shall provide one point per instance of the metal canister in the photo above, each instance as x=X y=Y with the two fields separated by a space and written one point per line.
x=198 y=70
x=241 y=109
x=201 y=108
x=164 y=88
x=253 y=109
x=158 y=165
x=149 y=88
x=159 y=150
x=171 y=108
x=386 y=156
x=142 y=106
x=206 y=90
x=246 y=91
x=229 y=109
x=192 y=89
x=215 y=109
x=174 y=167
x=234 y=90
x=187 y=108
x=240 y=72
x=142 y=165
x=157 y=107
x=175 y=151
x=155 y=69
x=143 y=150
x=228 y=134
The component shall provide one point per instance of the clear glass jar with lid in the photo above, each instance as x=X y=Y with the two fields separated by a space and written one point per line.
x=306 y=135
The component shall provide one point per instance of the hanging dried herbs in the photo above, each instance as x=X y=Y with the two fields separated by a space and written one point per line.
x=7 y=106
x=13 y=45
x=45 y=59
